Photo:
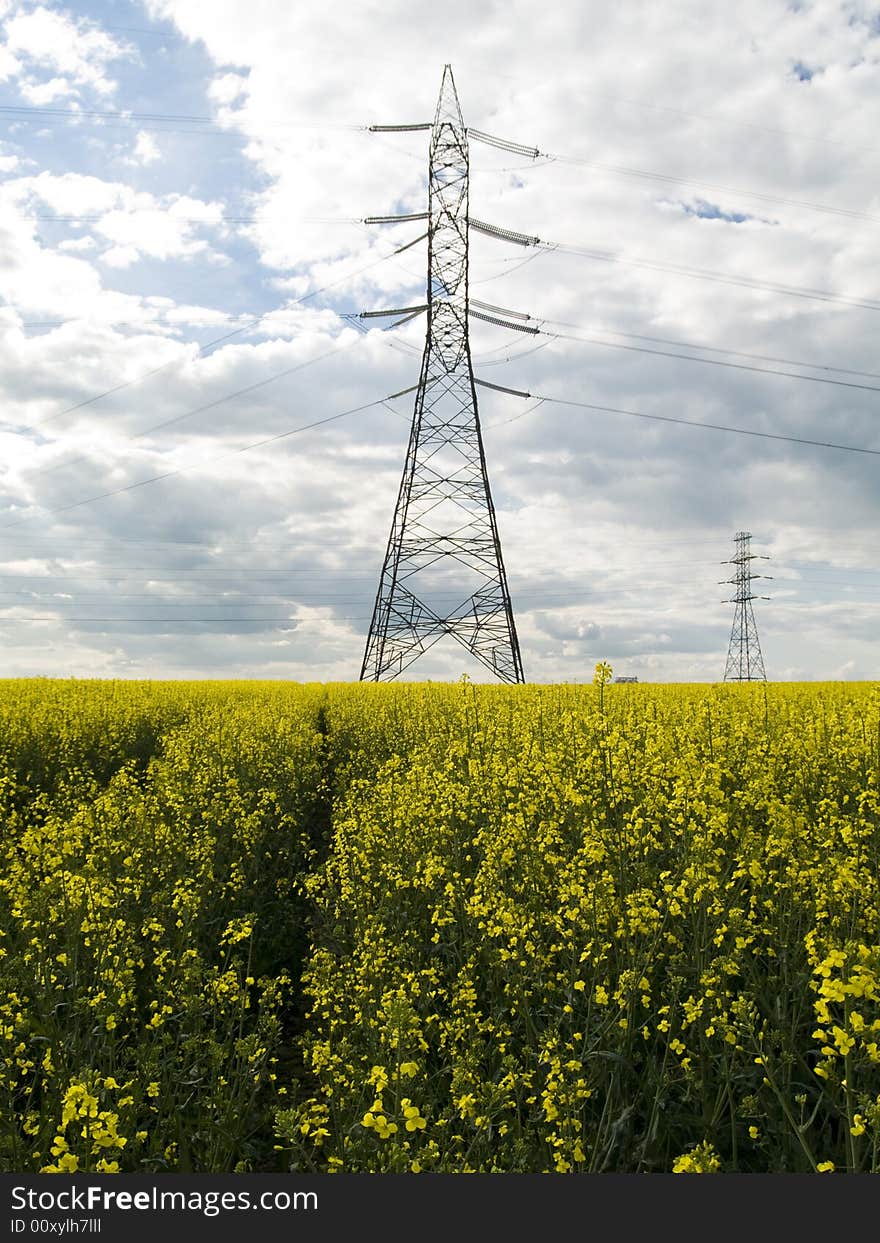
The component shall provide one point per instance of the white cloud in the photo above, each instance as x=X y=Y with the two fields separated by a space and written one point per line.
x=9 y=66
x=146 y=149
x=196 y=316
x=120 y=256
x=47 y=92
x=76 y=245
x=77 y=52
x=137 y=224
x=228 y=87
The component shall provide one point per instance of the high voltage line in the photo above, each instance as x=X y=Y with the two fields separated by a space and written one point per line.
x=552 y=335
x=715 y=362
x=504 y=144
x=257 y=444
x=209 y=124
x=169 y=211
x=139 y=619
x=693 y=423
x=225 y=595
x=669 y=178
x=716 y=117
x=209 y=345
x=540 y=399
x=718 y=349
x=535 y=329
x=93 y=114
x=210 y=405
x=321 y=542
x=704 y=274
x=560 y=336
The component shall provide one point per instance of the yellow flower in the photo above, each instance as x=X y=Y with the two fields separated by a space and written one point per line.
x=413 y=1119
x=703 y=1159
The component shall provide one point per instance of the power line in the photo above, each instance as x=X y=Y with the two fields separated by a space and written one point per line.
x=152 y=573
x=714 y=427
x=257 y=444
x=92 y=114
x=46 y=586
x=724 y=278
x=170 y=123
x=825 y=296
x=715 y=117
x=653 y=175
x=535 y=320
x=179 y=418
x=718 y=349
x=209 y=345
x=141 y=30
x=210 y=405
x=244 y=599
x=646 y=174
x=169 y=211
x=584 y=597
x=716 y=362
x=147 y=127
x=230 y=546
x=641 y=349
x=184 y=621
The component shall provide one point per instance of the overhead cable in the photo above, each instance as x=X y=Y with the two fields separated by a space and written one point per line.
x=724 y=278
x=209 y=345
x=713 y=427
x=714 y=362
x=256 y=444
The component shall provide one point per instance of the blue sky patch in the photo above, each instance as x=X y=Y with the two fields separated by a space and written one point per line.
x=711 y=211
x=803 y=72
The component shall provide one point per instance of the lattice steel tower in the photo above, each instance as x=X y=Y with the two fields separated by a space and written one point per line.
x=443 y=572
x=744 y=660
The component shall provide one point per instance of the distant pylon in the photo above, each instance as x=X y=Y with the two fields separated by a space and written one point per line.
x=744 y=660
x=443 y=572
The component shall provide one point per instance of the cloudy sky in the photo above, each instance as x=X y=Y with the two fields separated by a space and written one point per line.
x=182 y=194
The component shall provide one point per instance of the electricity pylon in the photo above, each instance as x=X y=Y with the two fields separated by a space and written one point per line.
x=744 y=660
x=443 y=572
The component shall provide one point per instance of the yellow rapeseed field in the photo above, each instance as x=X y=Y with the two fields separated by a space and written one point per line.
x=264 y=926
